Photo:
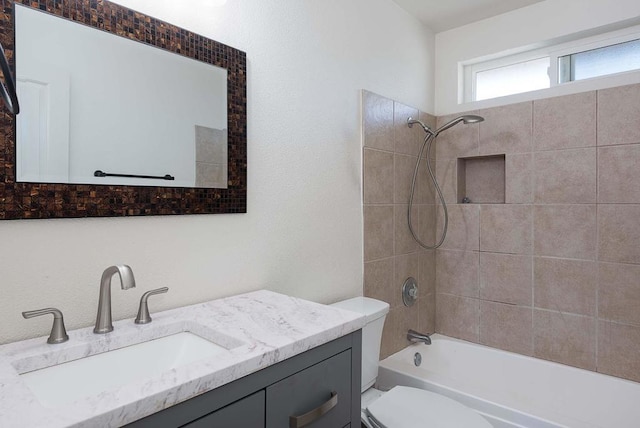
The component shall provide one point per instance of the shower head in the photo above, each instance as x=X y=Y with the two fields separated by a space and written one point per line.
x=472 y=118
x=466 y=119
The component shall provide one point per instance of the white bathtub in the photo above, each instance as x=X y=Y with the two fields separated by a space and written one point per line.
x=512 y=390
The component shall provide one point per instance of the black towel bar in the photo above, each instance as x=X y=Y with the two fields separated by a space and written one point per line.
x=99 y=173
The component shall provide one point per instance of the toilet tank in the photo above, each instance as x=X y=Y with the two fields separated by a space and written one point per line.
x=375 y=312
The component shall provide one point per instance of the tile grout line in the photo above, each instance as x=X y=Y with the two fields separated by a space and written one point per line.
x=533 y=233
x=597 y=311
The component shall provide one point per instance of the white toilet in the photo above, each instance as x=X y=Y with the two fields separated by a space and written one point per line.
x=401 y=407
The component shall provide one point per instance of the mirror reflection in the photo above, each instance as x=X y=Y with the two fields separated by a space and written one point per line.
x=101 y=109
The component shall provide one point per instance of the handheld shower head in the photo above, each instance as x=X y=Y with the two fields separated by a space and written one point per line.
x=472 y=118
x=466 y=119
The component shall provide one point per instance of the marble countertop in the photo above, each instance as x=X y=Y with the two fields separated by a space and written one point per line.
x=260 y=328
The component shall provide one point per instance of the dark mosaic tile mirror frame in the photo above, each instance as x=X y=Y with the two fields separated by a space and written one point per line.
x=29 y=200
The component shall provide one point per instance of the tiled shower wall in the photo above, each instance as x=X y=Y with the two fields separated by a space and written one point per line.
x=390 y=253
x=554 y=272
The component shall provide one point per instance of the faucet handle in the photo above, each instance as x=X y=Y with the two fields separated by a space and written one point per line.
x=58 y=332
x=143 y=311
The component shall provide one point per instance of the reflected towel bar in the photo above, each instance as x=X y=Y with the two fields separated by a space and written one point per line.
x=99 y=173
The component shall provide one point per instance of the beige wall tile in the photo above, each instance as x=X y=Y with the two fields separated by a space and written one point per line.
x=378 y=121
x=427 y=272
x=410 y=319
x=618 y=350
x=407 y=140
x=506 y=229
x=458 y=141
x=565 y=338
x=519 y=178
x=378 y=232
x=378 y=281
x=619 y=292
x=567 y=231
x=565 y=122
x=484 y=179
x=426 y=223
x=398 y=322
x=378 y=177
x=464 y=225
x=619 y=233
x=447 y=176
x=427 y=313
x=425 y=191
x=565 y=176
x=566 y=285
x=618 y=177
x=404 y=166
x=507 y=327
x=619 y=115
x=403 y=240
x=457 y=316
x=506 y=278
x=458 y=272
x=506 y=129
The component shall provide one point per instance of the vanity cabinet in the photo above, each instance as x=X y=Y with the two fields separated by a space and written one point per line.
x=320 y=387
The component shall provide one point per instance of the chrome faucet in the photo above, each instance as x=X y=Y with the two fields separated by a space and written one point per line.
x=414 y=336
x=103 y=321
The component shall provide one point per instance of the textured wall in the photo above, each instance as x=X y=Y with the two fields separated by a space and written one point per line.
x=302 y=235
x=555 y=271
x=390 y=253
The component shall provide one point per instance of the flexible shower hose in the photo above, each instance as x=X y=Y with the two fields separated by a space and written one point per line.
x=428 y=140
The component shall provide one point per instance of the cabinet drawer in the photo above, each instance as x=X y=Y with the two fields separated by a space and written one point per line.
x=245 y=413
x=309 y=389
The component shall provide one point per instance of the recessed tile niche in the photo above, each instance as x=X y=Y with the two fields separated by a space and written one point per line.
x=481 y=180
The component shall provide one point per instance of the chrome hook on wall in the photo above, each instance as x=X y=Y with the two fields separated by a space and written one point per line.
x=8 y=88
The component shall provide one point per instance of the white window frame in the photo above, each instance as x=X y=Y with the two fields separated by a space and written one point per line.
x=470 y=69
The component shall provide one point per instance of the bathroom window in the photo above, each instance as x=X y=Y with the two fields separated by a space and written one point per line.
x=511 y=79
x=586 y=58
x=602 y=61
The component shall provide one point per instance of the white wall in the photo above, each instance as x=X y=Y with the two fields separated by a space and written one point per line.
x=307 y=61
x=532 y=26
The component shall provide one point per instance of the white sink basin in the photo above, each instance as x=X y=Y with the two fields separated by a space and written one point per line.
x=64 y=383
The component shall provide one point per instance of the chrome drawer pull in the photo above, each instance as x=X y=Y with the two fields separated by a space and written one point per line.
x=315 y=414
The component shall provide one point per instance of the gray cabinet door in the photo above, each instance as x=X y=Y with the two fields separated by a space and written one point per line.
x=245 y=413
x=309 y=390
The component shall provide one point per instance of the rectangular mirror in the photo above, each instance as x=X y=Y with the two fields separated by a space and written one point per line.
x=121 y=114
